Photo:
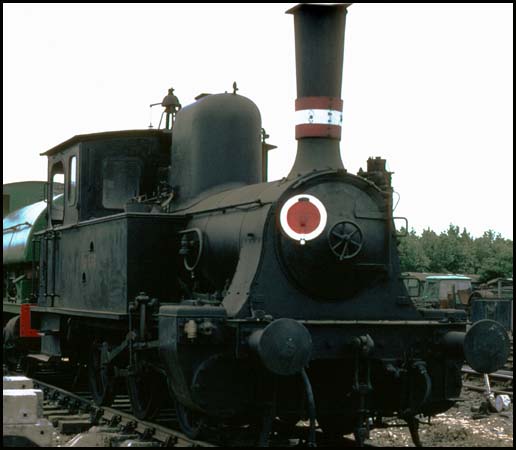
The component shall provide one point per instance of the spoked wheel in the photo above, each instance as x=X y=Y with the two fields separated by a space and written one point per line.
x=192 y=423
x=11 y=354
x=101 y=378
x=145 y=389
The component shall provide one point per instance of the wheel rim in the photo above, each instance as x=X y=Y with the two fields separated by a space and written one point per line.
x=100 y=379
x=191 y=423
x=145 y=389
x=11 y=354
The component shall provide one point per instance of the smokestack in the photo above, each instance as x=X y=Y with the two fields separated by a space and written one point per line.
x=319 y=34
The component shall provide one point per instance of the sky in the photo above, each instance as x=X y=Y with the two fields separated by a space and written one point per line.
x=429 y=87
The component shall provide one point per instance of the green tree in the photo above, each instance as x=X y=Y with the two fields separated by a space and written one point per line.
x=430 y=244
x=412 y=255
x=448 y=254
x=454 y=251
x=467 y=245
x=495 y=256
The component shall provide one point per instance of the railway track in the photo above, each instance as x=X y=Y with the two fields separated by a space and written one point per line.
x=67 y=397
x=116 y=417
x=67 y=407
x=501 y=381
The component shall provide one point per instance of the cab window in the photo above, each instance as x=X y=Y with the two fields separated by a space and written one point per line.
x=72 y=180
x=56 y=193
x=121 y=181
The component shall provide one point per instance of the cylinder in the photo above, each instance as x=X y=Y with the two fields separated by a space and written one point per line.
x=319 y=36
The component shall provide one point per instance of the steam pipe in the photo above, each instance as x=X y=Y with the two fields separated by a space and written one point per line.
x=319 y=36
x=311 y=407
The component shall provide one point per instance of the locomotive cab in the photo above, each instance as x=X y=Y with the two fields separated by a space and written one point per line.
x=91 y=251
x=103 y=171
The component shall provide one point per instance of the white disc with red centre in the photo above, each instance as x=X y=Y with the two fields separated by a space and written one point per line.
x=303 y=217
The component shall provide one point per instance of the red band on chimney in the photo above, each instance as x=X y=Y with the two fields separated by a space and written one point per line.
x=332 y=103
x=318 y=130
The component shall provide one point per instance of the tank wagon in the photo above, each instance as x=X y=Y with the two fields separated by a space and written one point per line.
x=24 y=214
x=170 y=262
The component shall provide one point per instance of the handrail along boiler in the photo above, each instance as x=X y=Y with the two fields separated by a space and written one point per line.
x=170 y=261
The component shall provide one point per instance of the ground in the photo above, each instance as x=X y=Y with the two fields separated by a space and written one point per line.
x=460 y=426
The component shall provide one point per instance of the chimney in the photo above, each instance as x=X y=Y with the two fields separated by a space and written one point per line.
x=319 y=34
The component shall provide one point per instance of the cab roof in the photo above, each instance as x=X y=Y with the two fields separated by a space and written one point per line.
x=97 y=136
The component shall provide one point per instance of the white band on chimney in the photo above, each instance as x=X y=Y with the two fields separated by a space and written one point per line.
x=319 y=117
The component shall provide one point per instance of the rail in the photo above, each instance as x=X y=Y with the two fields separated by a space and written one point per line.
x=124 y=420
x=502 y=379
x=150 y=433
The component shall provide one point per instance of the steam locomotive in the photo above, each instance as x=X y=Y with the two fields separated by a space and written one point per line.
x=167 y=260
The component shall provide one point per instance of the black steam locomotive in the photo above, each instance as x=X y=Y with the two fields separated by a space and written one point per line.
x=168 y=260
